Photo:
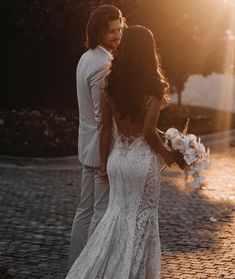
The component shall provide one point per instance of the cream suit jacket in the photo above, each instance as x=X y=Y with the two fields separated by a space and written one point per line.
x=92 y=67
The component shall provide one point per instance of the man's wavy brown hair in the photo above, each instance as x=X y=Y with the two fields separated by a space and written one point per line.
x=98 y=24
x=136 y=73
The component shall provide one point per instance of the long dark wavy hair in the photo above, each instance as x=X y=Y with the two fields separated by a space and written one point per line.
x=136 y=73
x=98 y=23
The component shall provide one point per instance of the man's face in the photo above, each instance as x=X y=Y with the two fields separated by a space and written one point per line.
x=112 y=36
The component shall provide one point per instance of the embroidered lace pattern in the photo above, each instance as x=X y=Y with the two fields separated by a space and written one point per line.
x=126 y=245
x=146 y=259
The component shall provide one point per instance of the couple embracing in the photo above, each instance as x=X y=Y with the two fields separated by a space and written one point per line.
x=121 y=91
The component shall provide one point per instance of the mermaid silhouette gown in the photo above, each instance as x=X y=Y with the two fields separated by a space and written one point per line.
x=126 y=244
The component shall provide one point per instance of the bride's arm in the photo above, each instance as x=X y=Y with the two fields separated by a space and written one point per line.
x=150 y=133
x=105 y=133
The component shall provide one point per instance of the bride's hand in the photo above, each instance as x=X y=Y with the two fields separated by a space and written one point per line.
x=179 y=159
x=172 y=157
x=102 y=171
x=169 y=158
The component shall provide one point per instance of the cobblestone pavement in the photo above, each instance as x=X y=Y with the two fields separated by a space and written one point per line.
x=37 y=204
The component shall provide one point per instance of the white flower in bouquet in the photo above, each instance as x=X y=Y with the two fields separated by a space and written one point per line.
x=179 y=143
x=190 y=155
x=194 y=153
x=171 y=133
x=192 y=140
x=200 y=148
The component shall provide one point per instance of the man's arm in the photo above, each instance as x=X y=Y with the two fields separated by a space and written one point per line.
x=95 y=82
x=105 y=133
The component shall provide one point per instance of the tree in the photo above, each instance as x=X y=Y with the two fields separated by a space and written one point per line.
x=42 y=40
x=189 y=37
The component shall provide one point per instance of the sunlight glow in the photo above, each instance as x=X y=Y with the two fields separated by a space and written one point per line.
x=204 y=51
x=228 y=89
x=230 y=2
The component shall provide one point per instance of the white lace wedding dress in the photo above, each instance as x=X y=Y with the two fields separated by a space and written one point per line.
x=126 y=243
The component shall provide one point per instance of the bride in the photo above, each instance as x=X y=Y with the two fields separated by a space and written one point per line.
x=126 y=243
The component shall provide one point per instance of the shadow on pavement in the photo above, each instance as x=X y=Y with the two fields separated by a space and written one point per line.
x=189 y=220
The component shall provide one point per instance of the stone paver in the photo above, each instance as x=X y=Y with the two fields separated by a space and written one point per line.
x=198 y=227
x=37 y=205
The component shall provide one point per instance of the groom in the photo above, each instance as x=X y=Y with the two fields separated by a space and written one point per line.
x=103 y=32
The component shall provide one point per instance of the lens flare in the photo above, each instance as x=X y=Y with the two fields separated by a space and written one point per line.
x=228 y=89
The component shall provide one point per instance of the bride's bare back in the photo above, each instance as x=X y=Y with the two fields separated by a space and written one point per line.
x=145 y=122
x=126 y=126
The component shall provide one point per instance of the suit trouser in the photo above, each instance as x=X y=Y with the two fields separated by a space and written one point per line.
x=92 y=206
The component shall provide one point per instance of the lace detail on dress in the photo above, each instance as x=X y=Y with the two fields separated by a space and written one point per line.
x=125 y=244
x=146 y=260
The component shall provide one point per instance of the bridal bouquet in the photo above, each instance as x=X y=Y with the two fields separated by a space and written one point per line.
x=195 y=155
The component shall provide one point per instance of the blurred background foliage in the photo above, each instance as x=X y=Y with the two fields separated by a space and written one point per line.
x=41 y=42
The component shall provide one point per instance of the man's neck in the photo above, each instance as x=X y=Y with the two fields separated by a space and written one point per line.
x=108 y=49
